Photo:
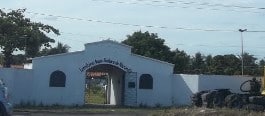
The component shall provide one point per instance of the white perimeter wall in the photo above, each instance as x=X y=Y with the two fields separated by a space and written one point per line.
x=183 y=86
x=167 y=89
x=207 y=82
x=19 y=83
x=72 y=93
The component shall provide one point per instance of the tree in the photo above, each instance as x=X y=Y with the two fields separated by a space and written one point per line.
x=198 y=63
x=231 y=65
x=250 y=65
x=18 y=33
x=218 y=64
x=225 y=65
x=19 y=59
x=208 y=64
x=261 y=66
x=262 y=63
x=60 y=48
x=181 y=61
x=1 y=58
x=149 y=45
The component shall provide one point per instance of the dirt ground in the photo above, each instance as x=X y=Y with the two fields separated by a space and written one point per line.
x=78 y=112
x=191 y=111
x=75 y=114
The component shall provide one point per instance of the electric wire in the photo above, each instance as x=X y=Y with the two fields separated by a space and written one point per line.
x=204 y=4
x=209 y=6
x=137 y=25
x=128 y=24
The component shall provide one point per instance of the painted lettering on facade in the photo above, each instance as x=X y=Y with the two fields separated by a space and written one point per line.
x=104 y=61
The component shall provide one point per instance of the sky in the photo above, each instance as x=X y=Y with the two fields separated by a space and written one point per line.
x=85 y=21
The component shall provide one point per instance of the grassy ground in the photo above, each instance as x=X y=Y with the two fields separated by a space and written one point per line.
x=95 y=95
x=204 y=112
x=143 y=111
x=84 y=110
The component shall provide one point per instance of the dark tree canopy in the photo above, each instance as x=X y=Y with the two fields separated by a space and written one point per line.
x=198 y=63
x=60 y=48
x=181 y=61
x=149 y=44
x=19 y=33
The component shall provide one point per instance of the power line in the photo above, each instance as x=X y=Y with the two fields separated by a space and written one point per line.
x=231 y=46
x=135 y=25
x=128 y=24
x=256 y=31
x=180 y=44
x=205 y=4
x=187 y=3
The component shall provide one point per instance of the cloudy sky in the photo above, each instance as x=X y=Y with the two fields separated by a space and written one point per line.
x=83 y=21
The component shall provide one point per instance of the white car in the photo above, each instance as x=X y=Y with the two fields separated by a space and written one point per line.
x=5 y=106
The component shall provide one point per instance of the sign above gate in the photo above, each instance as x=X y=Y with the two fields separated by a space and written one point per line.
x=104 y=61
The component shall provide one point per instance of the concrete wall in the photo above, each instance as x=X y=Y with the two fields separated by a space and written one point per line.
x=72 y=93
x=167 y=89
x=19 y=83
x=183 y=85
x=71 y=64
x=207 y=82
x=116 y=87
x=160 y=71
x=161 y=92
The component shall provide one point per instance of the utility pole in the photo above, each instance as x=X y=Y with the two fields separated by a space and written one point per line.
x=242 y=50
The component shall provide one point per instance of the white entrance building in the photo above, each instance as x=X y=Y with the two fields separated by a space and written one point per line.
x=134 y=80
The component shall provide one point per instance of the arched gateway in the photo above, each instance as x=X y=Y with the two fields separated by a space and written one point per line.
x=116 y=85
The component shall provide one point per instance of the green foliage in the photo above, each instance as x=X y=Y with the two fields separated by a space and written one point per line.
x=60 y=48
x=150 y=45
x=181 y=61
x=1 y=58
x=95 y=95
x=198 y=63
x=19 y=59
x=18 y=33
x=226 y=64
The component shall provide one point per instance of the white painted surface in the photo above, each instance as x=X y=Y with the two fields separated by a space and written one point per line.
x=168 y=89
x=116 y=88
x=71 y=64
x=28 y=66
x=19 y=83
x=233 y=83
x=130 y=93
x=183 y=86
x=117 y=80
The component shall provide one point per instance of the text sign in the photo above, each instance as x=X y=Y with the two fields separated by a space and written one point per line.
x=104 y=61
